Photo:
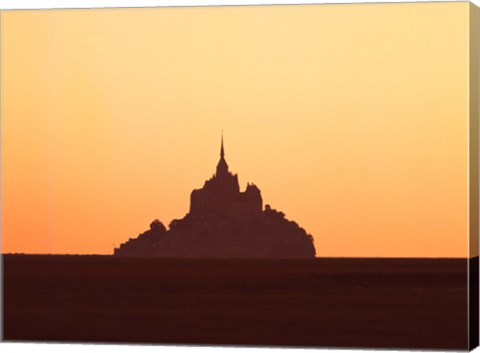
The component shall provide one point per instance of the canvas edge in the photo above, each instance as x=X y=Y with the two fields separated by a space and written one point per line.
x=473 y=263
x=1 y=179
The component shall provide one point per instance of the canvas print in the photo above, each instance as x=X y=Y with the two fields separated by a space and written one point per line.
x=294 y=175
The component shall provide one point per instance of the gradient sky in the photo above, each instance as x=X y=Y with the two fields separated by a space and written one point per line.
x=351 y=119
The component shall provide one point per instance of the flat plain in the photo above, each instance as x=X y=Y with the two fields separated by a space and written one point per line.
x=326 y=302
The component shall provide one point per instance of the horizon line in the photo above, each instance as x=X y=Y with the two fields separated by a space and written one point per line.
x=254 y=258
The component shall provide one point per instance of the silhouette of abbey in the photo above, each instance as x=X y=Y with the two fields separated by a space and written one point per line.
x=224 y=222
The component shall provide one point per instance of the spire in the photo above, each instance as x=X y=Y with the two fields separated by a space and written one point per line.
x=222 y=166
x=222 y=152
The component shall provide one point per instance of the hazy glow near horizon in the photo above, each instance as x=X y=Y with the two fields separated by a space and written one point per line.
x=351 y=119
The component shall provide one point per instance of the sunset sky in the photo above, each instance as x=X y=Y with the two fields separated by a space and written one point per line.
x=351 y=119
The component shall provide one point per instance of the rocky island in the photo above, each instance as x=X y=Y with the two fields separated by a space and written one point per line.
x=224 y=222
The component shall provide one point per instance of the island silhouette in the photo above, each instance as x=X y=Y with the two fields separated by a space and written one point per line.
x=224 y=222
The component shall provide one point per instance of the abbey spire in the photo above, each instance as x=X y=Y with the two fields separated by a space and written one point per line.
x=222 y=152
x=222 y=166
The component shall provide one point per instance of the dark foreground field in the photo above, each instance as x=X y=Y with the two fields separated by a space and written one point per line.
x=325 y=302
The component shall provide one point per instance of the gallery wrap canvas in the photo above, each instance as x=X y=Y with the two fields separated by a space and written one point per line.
x=281 y=176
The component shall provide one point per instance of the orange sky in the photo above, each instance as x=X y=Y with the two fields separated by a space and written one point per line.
x=352 y=120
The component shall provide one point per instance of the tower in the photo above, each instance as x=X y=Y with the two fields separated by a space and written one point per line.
x=222 y=166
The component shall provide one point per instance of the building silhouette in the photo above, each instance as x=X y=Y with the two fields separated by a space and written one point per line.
x=221 y=194
x=224 y=222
